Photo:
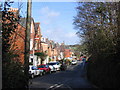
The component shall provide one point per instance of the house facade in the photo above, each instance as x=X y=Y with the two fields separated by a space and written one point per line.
x=17 y=38
x=53 y=50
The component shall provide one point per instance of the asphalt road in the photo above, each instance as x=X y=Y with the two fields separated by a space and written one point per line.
x=73 y=77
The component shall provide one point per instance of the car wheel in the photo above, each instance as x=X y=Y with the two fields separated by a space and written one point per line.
x=59 y=69
x=32 y=76
x=50 y=71
x=55 y=69
x=40 y=73
x=44 y=72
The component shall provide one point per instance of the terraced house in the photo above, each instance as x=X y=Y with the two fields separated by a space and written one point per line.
x=53 y=50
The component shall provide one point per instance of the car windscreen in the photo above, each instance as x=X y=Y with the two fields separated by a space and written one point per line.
x=41 y=66
x=34 y=68
x=51 y=63
x=73 y=60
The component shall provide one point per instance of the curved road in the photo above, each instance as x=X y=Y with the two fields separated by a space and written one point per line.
x=73 y=77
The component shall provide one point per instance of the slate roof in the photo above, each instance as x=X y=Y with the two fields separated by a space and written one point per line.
x=36 y=26
x=23 y=21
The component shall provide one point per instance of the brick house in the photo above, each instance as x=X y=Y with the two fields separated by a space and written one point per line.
x=45 y=49
x=17 y=38
x=37 y=37
x=68 y=53
x=37 y=43
x=34 y=40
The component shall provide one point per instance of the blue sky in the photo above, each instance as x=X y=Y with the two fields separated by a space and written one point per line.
x=55 y=19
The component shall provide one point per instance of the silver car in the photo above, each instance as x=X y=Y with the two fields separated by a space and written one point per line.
x=54 y=66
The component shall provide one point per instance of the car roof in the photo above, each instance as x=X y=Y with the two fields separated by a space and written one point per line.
x=31 y=66
x=41 y=64
x=53 y=62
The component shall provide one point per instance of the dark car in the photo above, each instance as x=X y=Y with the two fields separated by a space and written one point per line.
x=63 y=67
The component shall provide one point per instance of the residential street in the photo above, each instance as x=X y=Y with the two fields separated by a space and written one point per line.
x=73 y=77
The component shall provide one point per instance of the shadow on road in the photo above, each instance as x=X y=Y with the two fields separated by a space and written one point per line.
x=73 y=77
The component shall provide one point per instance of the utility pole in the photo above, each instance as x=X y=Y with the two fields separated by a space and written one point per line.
x=118 y=30
x=27 y=42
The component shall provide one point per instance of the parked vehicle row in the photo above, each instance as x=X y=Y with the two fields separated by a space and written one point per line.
x=52 y=66
x=43 y=69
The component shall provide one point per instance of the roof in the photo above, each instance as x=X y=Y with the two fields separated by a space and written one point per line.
x=23 y=21
x=36 y=26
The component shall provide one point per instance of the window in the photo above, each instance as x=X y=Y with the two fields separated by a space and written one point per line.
x=31 y=44
x=46 y=66
x=35 y=45
x=31 y=59
x=41 y=66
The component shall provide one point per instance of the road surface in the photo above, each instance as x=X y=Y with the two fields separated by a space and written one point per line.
x=73 y=77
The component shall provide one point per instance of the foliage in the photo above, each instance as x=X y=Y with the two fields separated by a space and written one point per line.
x=50 y=59
x=12 y=70
x=13 y=75
x=97 y=24
x=30 y=63
x=42 y=55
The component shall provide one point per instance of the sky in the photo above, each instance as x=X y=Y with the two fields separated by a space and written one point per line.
x=56 y=20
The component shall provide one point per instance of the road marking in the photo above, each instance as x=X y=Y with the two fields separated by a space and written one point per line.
x=53 y=85
x=59 y=86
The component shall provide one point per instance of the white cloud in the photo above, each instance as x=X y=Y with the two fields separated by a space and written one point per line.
x=52 y=30
x=59 y=35
x=53 y=14
x=48 y=31
x=70 y=35
x=48 y=15
x=46 y=22
x=46 y=11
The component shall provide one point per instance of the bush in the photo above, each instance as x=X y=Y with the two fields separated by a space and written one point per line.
x=104 y=71
x=13 y=75
x=30 y=63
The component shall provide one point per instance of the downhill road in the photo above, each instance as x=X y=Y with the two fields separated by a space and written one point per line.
x=73 y=77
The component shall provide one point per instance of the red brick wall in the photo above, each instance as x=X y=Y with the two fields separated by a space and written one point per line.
x=67 y=53
x=17 y=40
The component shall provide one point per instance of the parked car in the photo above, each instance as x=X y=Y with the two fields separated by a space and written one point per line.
x=74 y=62
x=53 y=69
x=56 y=65
x=81 y=58
x=34 y=71
x=45 y=68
